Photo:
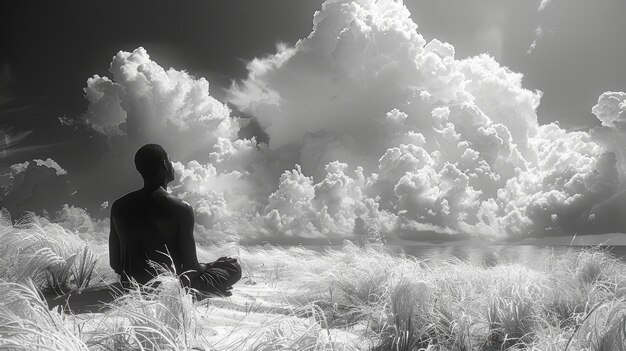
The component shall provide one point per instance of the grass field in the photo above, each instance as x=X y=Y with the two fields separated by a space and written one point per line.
x=353 y=298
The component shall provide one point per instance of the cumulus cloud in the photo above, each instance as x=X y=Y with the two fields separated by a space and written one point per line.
x=141 y=102
x=35 y=185
x=446 y=145
x=330 y=209
x=146 y=102
x=611 y=109
x=215 y=196
x=78 y=221
x=607 y=216
x=370 y=126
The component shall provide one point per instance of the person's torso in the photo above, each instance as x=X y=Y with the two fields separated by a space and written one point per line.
x=147 y=225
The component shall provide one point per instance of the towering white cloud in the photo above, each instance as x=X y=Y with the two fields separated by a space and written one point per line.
x=145 y=102
x=611 y=111
x=370 y=125
x=607 y=216
x=446 y=145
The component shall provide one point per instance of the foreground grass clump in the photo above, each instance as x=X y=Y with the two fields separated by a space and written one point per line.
x=55 y=259
x=351 y=298
x=26 y=323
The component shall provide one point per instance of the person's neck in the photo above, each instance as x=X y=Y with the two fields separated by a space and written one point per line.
x=153 y=184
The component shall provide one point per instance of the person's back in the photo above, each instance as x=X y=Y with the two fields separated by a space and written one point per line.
x=147 y=223
x=149 y=226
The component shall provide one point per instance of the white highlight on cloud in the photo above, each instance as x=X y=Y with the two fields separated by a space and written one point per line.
x=50 y=163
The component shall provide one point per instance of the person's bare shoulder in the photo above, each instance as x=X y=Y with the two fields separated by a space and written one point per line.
x=124 y=201
x=119 y=203
x=180 y=204
x=173 y=202
x=183 y=210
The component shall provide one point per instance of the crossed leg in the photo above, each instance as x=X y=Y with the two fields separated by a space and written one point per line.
x=218 y=277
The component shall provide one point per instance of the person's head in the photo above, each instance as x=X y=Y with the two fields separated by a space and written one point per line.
x=153 y=163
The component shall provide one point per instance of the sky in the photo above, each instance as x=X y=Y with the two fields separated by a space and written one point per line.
x=359 y=84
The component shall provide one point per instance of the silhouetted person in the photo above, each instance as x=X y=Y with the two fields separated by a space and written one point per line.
x=149 y=224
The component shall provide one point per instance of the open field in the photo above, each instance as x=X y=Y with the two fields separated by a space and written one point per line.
x=353 y=298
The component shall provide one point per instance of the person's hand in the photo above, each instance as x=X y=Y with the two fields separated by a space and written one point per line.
x=221 y=262
x=226 y=260
x=227 y=292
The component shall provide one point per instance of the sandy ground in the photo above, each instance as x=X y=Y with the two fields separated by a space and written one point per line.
x=255 y=314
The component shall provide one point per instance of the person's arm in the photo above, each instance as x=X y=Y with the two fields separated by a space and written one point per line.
x=114 y=247
x=186 y=242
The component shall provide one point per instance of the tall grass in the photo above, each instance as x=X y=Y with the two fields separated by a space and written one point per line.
x=53 y=258
x=353 y=298
x=460 y=306
x=162 y=317
x=26 y=323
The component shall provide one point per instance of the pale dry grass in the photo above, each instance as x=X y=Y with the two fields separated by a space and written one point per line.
x=351 y=298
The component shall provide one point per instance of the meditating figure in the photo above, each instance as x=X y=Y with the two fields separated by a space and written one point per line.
x=151 y=225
